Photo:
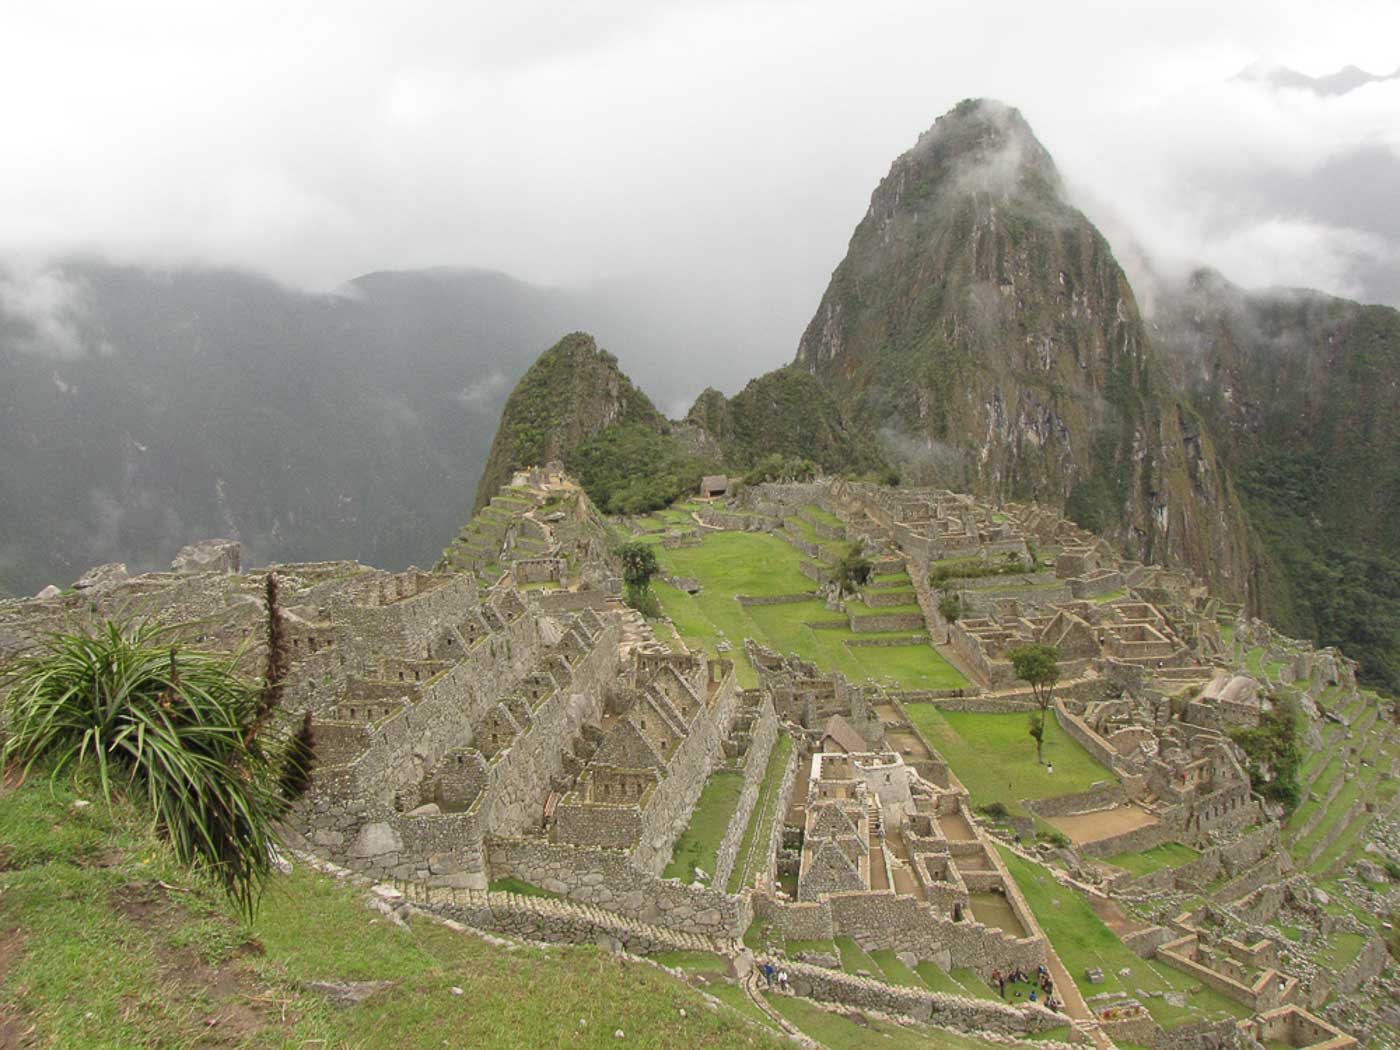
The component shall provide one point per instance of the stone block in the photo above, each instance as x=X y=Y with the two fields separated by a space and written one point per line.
x=376 y=839
x=224 y=556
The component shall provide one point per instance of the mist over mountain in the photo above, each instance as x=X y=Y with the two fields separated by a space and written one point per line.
x=143 y=409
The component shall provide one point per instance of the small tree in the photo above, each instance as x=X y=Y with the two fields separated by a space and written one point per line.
x=853 y=569
x=639 y=565
x=1038 y=665
x=950 y=608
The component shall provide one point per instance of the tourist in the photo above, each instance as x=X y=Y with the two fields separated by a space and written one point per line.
x=768 y=972
x=782 y=980
x=1049 y=767
x=1001 y=983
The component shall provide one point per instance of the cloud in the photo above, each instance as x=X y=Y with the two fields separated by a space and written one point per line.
x=718 y=152
x=484 y=392
x=52 y=314
x=1272 y=186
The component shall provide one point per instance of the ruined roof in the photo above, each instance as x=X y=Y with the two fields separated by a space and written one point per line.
x=843 y=735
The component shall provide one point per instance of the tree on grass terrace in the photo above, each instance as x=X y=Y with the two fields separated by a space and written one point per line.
x=852 y=570
x=639 y=565
x=1038 y=665
x=174 y=726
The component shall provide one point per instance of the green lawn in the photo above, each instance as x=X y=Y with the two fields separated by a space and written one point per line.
x=1167 y=855
x=1082 y=941
x=758 y=564
x=854 y=957
x=764 y=810
x=111 y=943
x=994 y=755
x=698 y=845
x=895 y=971
x=753 y=563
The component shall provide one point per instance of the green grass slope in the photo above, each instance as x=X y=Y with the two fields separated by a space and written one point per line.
x=106 y=942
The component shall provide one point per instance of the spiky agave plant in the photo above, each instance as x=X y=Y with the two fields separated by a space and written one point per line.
x=155 y=719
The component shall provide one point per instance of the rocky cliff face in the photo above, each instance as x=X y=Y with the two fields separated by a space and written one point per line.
x=572 y=393
x=1302 y=393
x=981 y=326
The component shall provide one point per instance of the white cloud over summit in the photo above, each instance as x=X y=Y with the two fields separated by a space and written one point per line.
x=717 y=153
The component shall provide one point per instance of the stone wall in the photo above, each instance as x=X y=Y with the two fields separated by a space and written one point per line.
x=1076 y=727
x=872 y=622
x=518 y=776
x=608 y=879
x=765 y=734
x=1134 y=841
x=1103 y=796
x=951 y=1011
x=1230 y=859
x=773 y=839
x=353 y=810
x=668 y=813
x=547 y=919
x=738 y=521
x=904 y=924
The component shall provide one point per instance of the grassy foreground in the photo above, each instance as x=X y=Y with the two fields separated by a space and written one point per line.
x=105 y=941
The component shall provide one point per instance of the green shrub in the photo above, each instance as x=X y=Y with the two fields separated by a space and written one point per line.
x=1274 y=750
x=174 y=725
x=996 y=810
x=777 y=467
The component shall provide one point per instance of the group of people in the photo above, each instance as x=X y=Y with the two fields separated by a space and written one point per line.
x=1044 y=992
x=773 y=975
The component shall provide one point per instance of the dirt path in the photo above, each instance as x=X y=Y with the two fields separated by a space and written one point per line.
x=1103 y=823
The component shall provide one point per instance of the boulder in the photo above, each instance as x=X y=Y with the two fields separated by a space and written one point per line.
x=224 y=556
x=1371 y=871
x=48 y=592
x=347 y=993
x=374 y=840
x=101 y=576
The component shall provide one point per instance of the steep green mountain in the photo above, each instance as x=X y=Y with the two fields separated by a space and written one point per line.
x=788 y=412
x=982 y=327
x=575 y=406
x=1300 y=391
x=573 y=392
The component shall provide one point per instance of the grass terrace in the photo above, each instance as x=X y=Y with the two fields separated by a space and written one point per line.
x=994 y=755
x=1083 y=941
x=1167 y=855
x=698 y=845
x=729 y=564
x=765 y=810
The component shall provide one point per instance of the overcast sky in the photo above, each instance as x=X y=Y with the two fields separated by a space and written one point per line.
x=718 y=152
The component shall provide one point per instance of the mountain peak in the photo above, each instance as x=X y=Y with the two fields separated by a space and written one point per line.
x=573 y=392
x=1344 y=80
